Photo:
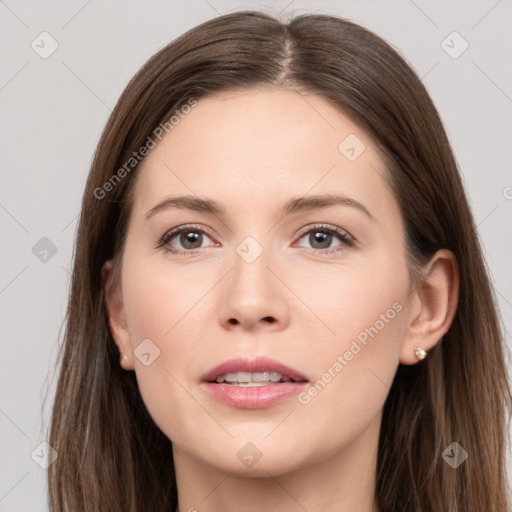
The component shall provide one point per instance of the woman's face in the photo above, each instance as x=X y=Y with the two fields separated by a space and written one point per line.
x=321 y=287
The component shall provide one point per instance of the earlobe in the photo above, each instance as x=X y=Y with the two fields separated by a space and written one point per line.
x=115 y=313
x=435 y=303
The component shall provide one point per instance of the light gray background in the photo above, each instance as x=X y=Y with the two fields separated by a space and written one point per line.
x=54 y=109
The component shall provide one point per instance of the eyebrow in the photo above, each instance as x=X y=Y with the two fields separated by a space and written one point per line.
x=294 y=205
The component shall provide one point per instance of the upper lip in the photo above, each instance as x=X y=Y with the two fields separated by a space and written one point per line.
x=258 y=364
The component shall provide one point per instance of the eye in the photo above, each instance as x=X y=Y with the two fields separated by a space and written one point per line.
x=321 y=237
x=189 y=239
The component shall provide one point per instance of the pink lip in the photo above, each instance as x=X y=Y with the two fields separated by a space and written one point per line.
x=259 y=364
x=253 y=397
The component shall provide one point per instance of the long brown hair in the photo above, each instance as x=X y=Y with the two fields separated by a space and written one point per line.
x=112 y=456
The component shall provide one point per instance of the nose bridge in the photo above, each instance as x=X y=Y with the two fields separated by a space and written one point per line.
x=251 y=292
x=251 y=261
x=251 y=249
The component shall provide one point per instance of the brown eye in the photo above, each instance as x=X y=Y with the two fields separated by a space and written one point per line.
x=184 y=239
x=190 y=239
x=321 y=238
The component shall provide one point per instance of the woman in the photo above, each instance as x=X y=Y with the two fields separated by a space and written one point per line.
x=278 y=300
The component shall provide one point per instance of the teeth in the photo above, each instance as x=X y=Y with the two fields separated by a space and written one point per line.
x=244 y=377
x=249 y=379
x=249 y=384
x=260 y=377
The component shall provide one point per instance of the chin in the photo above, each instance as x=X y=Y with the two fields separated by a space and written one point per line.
x=247 y=460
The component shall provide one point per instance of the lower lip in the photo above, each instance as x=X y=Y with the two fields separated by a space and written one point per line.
x=256 y=397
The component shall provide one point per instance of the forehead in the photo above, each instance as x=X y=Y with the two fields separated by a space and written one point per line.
x=245 y=145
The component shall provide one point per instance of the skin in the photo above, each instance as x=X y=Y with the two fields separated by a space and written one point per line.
x=251 y=151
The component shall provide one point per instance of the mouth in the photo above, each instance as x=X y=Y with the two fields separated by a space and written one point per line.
x=252 y=383
x=256 y=379
x=258 y=371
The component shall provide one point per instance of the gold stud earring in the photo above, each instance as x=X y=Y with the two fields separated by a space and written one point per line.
x=420 y=353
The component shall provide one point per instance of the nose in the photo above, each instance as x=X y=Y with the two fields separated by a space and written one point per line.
x=253 y=296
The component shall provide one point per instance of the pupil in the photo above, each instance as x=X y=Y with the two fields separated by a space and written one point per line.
x=323 y=238
x=188 y=238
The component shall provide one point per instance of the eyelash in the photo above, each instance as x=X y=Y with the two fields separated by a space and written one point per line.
x=343 y=236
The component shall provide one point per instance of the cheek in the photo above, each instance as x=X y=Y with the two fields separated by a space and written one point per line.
x=343 y=300
x=158 y=300
x=163 y=306
x=355 y=368
x=363 y=319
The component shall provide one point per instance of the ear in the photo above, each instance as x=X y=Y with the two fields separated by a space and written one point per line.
x=115 y=313
x=433 y=305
